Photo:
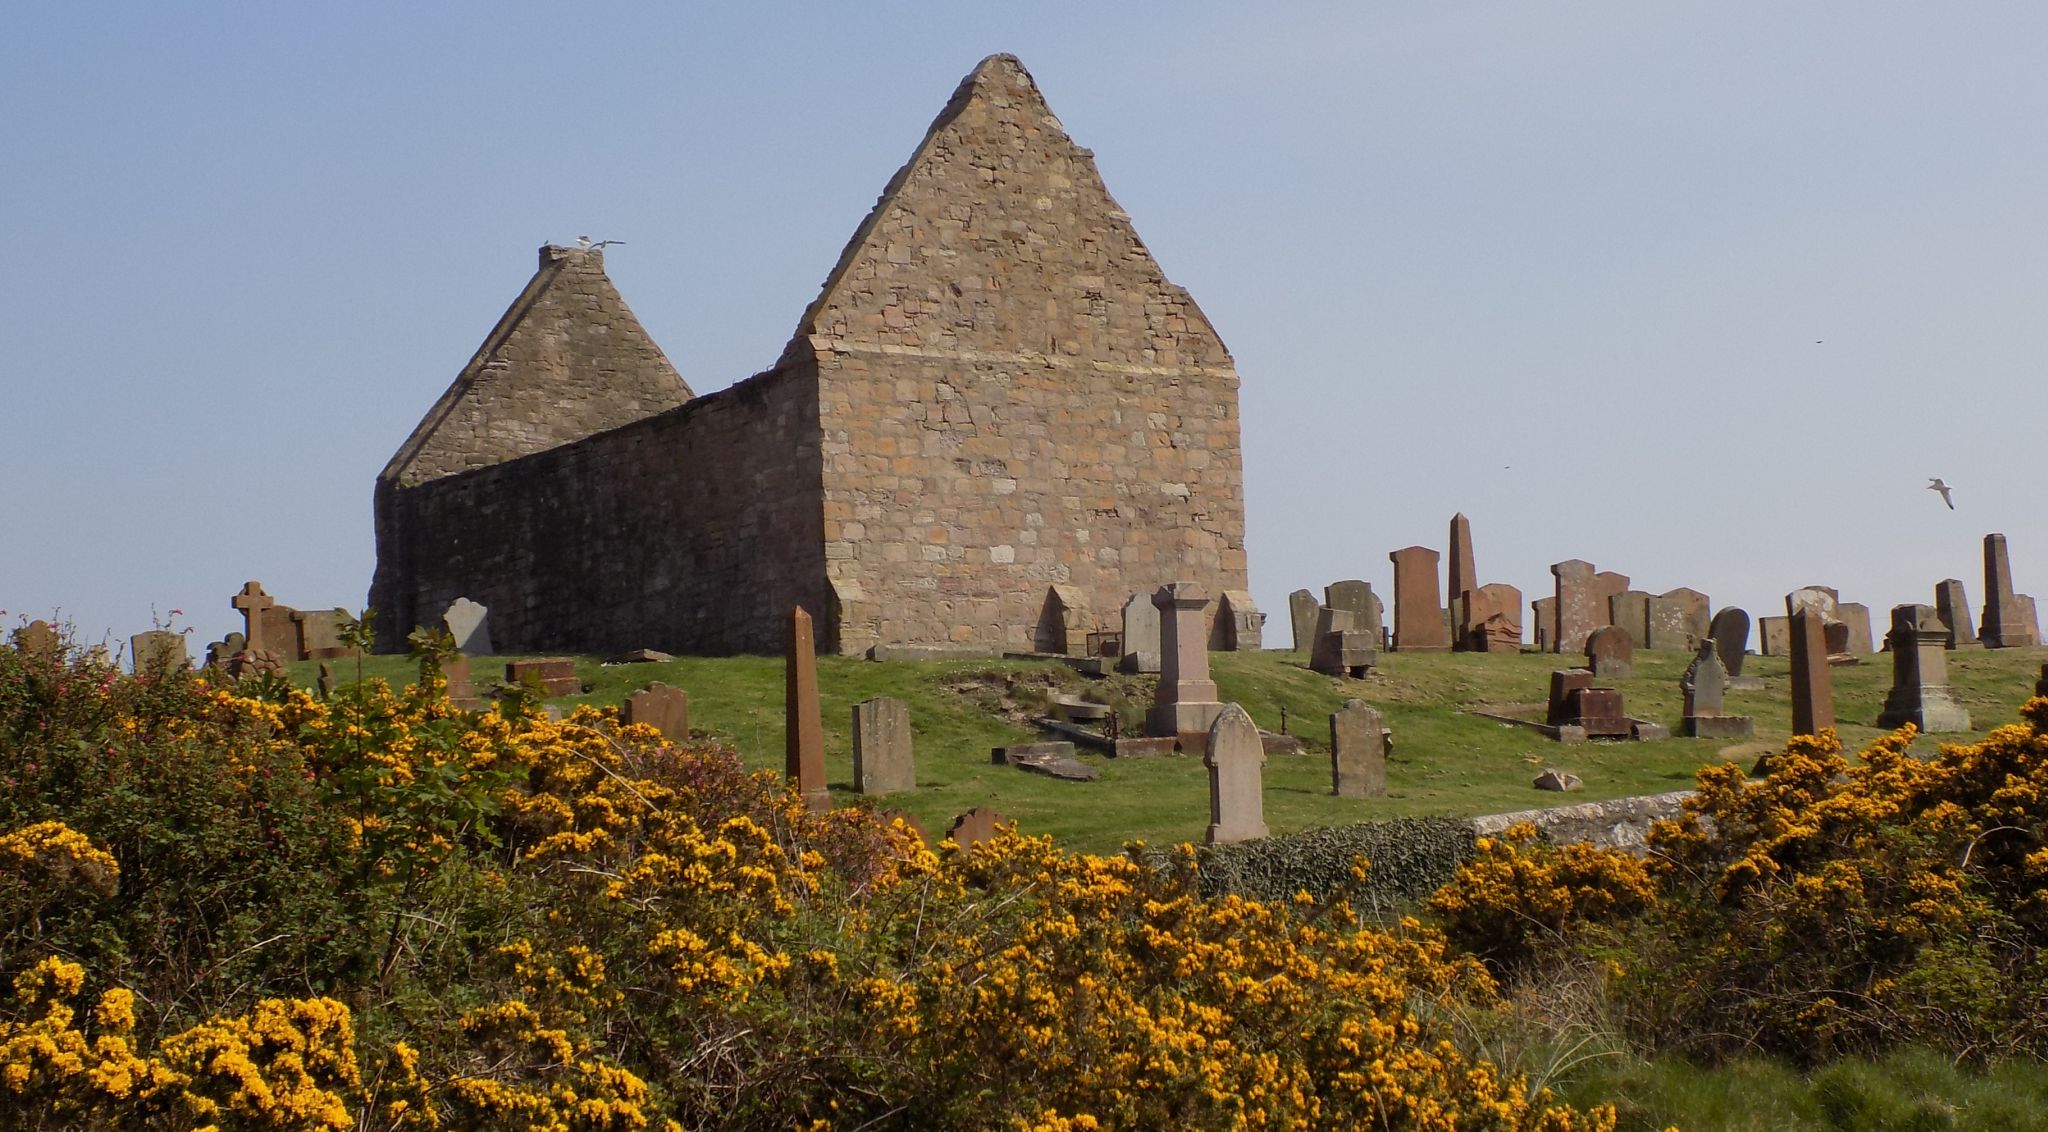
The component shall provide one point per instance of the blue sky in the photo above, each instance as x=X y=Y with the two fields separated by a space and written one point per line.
x=1701 y=293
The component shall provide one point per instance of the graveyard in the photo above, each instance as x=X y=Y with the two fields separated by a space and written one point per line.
x=1447 y=761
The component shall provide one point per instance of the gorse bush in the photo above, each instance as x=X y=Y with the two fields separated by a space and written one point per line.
x=376 y=912
x=1827 y=908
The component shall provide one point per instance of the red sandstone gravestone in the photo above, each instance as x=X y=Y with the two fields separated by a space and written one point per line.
x=1581 y=607
x=2009 y=618
x=1813 y=688
x=1185 y=704
x=661 y=706
x=1418 y=614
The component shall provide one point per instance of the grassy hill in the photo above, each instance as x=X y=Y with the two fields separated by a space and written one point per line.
x=1446 y=761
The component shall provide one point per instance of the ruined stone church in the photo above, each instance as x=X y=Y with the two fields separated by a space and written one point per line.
x=997 y=421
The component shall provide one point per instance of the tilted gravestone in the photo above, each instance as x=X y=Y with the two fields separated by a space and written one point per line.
x=1920 y=693
x=1730 y=630
x=1609 y=653
x=1141 y=635
x=1341 y=648
x=882 y=756
x=662 y=707
x=1236 y=758
x=1302 y=609
x=1357 y=597
x=1418 y=608
x=470 y=624
x=1358 y=752
x=803 y=760
x=1813 y=688
x=976 y=826
x=1952 y=604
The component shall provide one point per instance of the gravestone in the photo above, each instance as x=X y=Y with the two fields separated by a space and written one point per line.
x=1554 y=779
x=976 y=826
x=1581 y=608
x=218 y=652
x=158 y=651
x=1855 y=617
x=1543 y=611
x=2008 y=617
x=1236 y=758
x=254 y=604
x=882 y=757
x=1606 y=584
x=1064 y=623
x=803 y=756
x=462 y=691
x=1459 y=579
x=1358 y=752
x=470 y=624
x=1054 y=759
x=1564 y=684
x=1610 y=654
x=1730 y=630
x=1920 y=693
x=1630 y=611
x=1813 y=688
x=661 y=706
x=1358 y=598
x=318 y=633
x=1185 y=704
x=1599 y=712
x=1341 y=648
x=1774 y=636
x=1697 y=607
x=39 y=639
x=1705 y=688
x=1953 y=606
x=1670 y=624
x=1141 y=635
x=327 y=683
x=555 y=675
x=1239 y=622
x=1418 y=610
x=1302 y=611
x=1495 y=615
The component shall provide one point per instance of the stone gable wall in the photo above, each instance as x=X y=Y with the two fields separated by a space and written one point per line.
x=691 y=531
x=567 y=360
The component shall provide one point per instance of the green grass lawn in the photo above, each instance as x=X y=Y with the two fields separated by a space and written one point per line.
x=1446 y=761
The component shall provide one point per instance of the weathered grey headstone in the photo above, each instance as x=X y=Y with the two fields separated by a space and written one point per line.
x=158 y=651
x=1774 y=636
x=1609 y=653
x=1705 y=683
x=1358 y=753
x=1630 y=611
x=661 y=706
x=1356 y=597
x=470 y=624
x=883 y=760
x=1053 y=758
x=1730 y=630
x=39 y=639
x=2008 y=617
x=1920 y=693
x=1953 y=605
x=1670 y=623
x=1813 y=686
x=1141 y=634
x=218 y=653
x=1341 y=648
x=1239 y=623
x=1856 y=617
x=1236 y=759
x=1302 y=609
x=318 y=633
x=1696 y=608
x=803 y=730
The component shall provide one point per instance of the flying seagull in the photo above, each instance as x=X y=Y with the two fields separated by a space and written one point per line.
x=1935 y=485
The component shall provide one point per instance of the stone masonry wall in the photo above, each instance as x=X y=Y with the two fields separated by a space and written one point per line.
x=691 y=531
x=568 y=359
x=1013 y=393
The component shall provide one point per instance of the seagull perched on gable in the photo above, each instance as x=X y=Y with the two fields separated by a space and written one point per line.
x=1935 y=485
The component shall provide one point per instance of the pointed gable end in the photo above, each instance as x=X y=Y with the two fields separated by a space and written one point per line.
x=998 y=237
x=567 y=360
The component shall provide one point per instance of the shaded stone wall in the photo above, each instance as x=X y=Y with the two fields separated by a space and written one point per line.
x=694 y=530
